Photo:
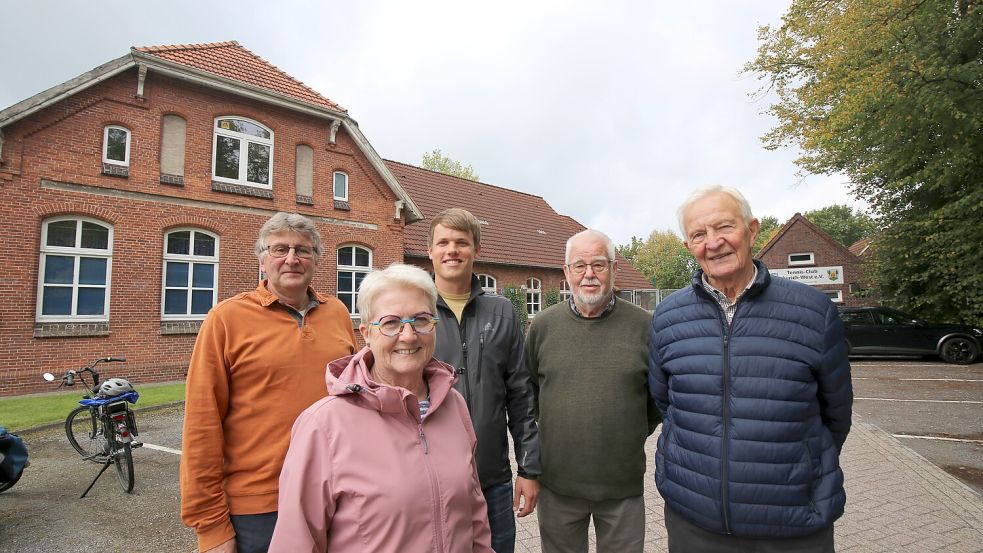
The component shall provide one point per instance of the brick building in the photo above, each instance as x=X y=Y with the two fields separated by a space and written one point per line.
x=802 y=251
x=523 y=240
x=133 y=193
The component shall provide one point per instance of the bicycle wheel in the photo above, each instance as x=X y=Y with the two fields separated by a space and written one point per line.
x=123 y=459
x=87 y=435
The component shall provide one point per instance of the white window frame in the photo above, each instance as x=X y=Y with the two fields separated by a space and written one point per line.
x=105 y=146
x=191 y=260
x=347 y=182
x=810 y=261
x=534 y=296
x=836 y=296
x=243 y=139
x=488 y=283
x=565 y=292
x=354 y=314
x=77 y=253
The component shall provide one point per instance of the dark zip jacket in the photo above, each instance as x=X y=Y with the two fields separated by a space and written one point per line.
x=487 y=351
x=755 y=412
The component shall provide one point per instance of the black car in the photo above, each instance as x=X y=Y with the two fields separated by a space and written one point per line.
x=885 y=331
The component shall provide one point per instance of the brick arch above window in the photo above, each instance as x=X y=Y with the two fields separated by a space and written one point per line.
x=46 y=210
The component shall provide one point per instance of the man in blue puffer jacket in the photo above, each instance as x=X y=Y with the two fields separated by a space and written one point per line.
x=751 y=374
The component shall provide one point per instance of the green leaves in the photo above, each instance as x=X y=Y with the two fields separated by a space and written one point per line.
x=436 y=161
x=890 y=92
x=663 y=259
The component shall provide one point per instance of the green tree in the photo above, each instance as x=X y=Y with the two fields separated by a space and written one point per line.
x=769 y=228
x=551 y=297
x=663 y=259
x=890 y=92
x=630 y=250
x=841 y=222
x=436 y=161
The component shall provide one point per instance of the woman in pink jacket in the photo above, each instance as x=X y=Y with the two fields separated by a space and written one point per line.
x=385 y=462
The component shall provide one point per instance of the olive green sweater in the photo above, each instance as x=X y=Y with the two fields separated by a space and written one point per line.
x=590 y=379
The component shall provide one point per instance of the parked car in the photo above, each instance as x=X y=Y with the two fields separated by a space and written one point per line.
x=886 y=331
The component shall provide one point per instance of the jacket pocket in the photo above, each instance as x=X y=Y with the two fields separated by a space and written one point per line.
x=813 y=478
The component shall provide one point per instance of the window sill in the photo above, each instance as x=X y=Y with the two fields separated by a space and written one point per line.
x=168 y=328
x=71 y=330
x=173 y=180
x=305 y=200
x=342 y=205
x=112 y=170
x=242 y=190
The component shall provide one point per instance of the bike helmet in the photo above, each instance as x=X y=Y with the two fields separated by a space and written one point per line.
x=115 y=387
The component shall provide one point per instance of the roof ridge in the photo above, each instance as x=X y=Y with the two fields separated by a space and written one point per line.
x=463 y=179
x=178 y=47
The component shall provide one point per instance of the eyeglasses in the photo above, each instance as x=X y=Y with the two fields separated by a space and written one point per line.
x=580 y=267
x=391 y=325
x=283 y=250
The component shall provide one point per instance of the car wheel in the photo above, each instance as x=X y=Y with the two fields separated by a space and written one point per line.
x=961 y=351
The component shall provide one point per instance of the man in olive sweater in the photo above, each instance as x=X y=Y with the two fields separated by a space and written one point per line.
x=588 y=367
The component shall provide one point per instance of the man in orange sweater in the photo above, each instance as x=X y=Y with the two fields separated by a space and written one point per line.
x=258 y=362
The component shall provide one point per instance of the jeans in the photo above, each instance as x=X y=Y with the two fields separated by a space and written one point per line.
x=500 y=516
x=253 y=532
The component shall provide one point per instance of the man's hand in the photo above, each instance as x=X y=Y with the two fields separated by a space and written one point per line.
x=226 y=547
x=528 y=489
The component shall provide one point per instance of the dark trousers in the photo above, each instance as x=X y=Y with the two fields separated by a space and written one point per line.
x=500 y=517
x=253 y=532
x=686 y=537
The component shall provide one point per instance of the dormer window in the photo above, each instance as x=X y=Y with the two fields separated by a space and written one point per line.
x=242 y=152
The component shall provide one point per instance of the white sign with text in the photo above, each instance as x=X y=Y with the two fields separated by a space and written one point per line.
x=811 y=275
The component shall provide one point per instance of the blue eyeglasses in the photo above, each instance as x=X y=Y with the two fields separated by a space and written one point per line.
x=391 y=325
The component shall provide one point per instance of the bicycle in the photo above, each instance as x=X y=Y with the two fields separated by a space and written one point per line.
x=102 y=428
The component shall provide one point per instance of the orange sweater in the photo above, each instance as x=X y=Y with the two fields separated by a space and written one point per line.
x=252 y=372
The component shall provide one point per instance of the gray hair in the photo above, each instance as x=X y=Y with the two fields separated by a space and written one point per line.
x=293 y=222
x=710 y=190
x=590 y=233
x=395 y=275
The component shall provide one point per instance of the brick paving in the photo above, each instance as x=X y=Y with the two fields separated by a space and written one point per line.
x=897 y=501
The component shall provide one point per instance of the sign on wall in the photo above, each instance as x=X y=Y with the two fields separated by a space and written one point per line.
x=812 y=275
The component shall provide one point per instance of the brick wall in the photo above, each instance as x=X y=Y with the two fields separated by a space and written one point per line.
x=802 y=238
x=52 y=165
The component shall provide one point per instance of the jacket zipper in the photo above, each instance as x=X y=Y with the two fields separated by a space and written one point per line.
x=725 y=443
x=434 y=492
x=812 y=481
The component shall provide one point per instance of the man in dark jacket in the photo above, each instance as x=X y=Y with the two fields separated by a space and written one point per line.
x=479 y=334
x=752 y=376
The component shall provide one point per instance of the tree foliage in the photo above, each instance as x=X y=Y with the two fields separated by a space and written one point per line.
x=769 y=228
x=843 y=223
x=663 y=259
x=518 y=299
x=436 y=161
x=890 y=92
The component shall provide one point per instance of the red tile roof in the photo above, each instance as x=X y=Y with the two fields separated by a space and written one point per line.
x=521 y=229
x=231 y=61
x=861 y=247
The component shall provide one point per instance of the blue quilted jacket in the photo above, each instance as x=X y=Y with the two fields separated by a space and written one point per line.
x=755 y=413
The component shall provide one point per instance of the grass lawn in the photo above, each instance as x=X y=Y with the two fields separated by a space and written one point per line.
x=23 y=412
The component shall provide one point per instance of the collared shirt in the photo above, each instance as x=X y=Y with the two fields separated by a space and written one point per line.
x=728 y=306
x=299 y=315
x=573 y=307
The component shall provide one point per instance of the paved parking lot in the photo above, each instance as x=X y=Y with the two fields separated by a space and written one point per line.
x=932 y=407
x=897 y=500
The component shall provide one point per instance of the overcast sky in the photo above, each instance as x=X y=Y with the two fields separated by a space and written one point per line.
x=612 y=111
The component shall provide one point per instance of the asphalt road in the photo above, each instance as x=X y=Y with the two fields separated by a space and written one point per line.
x=916 y=400
x=932 y=407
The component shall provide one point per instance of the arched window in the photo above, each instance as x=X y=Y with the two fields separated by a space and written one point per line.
x=341 y=186
x=76 y=264
x=534 y=296
x=190 y=287
x=354 y=262
x=242 y=152
x=116 y=145
x=488 y=283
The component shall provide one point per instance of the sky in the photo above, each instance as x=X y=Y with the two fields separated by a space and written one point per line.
x=611 y=111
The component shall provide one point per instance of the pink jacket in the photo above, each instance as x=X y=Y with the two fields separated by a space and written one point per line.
x=364 y=474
